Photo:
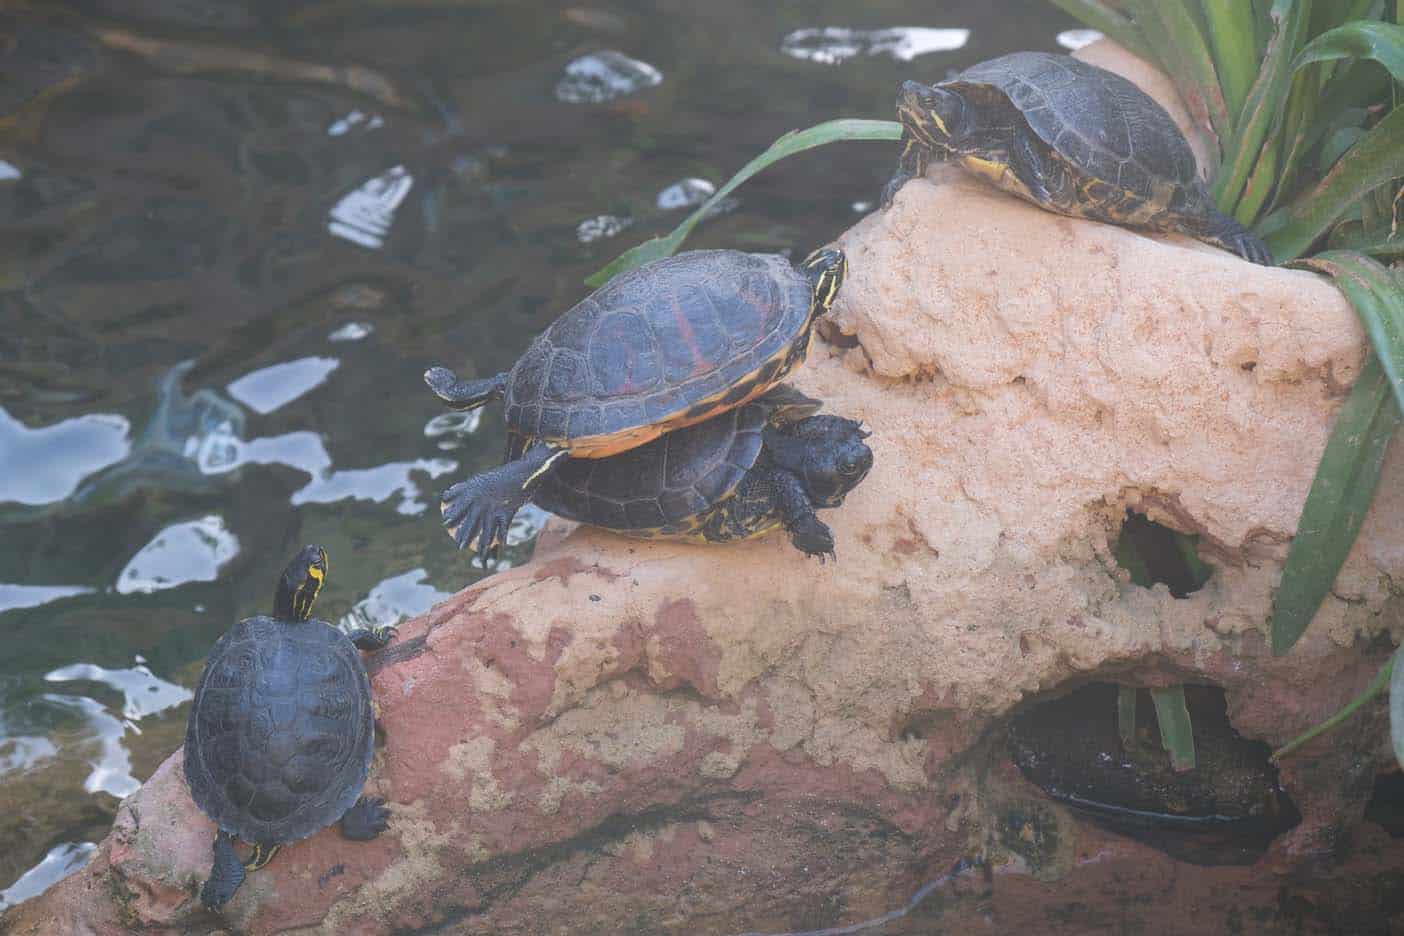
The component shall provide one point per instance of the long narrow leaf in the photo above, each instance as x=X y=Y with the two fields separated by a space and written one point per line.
x=1264 y=103
x=1396 y=705
x=1230 y=27
x=1181 y=49
x=1363 y=39
x=1378 y=299
x=1349 y=90
x=1110 y=22
x=1176 y=730
x=1350 y=708
x=1126 y=716
x=1370 y=163
x=796 y=141
x=1336 y=504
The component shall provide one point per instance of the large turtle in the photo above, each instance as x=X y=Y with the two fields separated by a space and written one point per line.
x=737 y=476
x=1069 y=137
x=667 y=345
x=281 y=732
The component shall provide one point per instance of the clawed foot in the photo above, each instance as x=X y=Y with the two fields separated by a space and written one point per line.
x=1251 y=248
x=813 y=538
x=367 y=819
x=475 y=517
x=373 y=638
x=889 y=191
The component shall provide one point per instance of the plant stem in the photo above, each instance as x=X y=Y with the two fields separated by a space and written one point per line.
x=1375 y=688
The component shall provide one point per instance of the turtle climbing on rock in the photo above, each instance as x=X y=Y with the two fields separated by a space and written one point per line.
x=282 y=730
x=1069 y=137
x=668 y=345
x=766 y=465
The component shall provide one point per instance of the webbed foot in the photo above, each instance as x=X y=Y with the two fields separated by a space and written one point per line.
x=894 y=185
x=478 y=511
x=367 y=819
x=1224 y=231
x=813 y=538
x=225 y=876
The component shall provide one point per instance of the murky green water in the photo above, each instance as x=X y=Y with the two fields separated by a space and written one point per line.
x=226 y=266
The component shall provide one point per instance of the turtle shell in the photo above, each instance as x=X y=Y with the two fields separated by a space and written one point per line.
x=281 y=732
x=667 y=345
x=663 y=487
x=1102 y=125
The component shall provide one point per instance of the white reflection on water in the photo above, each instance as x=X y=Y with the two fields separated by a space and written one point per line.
x=453 y=428
x=32 y=596
x=45 y=465
x=61 y=861
x=604 y=76
x=393 y=600
x=273 y=387
x=831 y=45
x=364 y=215
x=9 y=171
x=353 y=119
x=192 y=551
x=1077 y=38
x=24 y=751
x=375 y=484
x=600 y=226
x=688 y=193
x=352 y=331
x=143 y=694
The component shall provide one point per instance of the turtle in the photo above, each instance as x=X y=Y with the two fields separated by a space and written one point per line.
x=670 y=344
x=737 y=476
x=282 y=729
x=1069 y=137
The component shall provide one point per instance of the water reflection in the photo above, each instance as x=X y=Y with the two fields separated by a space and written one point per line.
x=831 y=45
x=393 y=600
x=23 y=752
x=364 y=215
x=8 y=171
x=45 y=465
x=13 y=597
x=61 y=861
x=355 y=118
x=143 y=692
x=192 y=551
x=452 y=429
x=688 y=193
x=1074 y=39
x=375 y=484
x=352 y=331
x=601 y=226
x=605 y=76
x=271 y=388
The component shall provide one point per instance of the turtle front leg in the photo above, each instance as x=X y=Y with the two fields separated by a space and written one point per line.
x=1223 y=231
x=910 y=165
x=365 y=820
x=226 y=874
x=809 y=534
x=372 y=638
x=479 y=510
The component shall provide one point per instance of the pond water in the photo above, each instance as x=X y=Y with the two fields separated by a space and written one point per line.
x=237 y=232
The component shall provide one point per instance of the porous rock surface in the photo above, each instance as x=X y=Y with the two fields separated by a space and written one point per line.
x=628 y=737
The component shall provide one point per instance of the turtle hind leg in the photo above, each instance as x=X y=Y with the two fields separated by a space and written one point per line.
x=478 y=511
x=1222 y=231
x=365 y=820
x=464 y=394
x=225 y=876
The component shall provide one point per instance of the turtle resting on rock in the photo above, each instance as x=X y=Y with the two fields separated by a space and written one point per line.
x=1069 y=137
x=668 y=345
x=737 y=476
x=281 y=732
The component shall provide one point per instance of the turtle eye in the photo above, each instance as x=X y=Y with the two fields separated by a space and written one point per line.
x=848 y=467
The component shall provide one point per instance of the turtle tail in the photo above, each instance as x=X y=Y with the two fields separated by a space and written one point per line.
x=1223 y=231
x=464 y=394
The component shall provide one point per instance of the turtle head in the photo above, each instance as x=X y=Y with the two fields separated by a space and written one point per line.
x=932 y=114
x=832 y=457
x=825 y=269
x=301 y=581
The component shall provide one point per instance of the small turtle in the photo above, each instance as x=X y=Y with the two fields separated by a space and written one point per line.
x=1069 y=137
x=667 y=345
x=282 y=730
x=736 y=476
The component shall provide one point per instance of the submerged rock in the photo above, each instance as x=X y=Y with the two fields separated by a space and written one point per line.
x=666 y=738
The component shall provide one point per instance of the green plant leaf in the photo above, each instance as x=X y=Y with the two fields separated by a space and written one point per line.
x=1375 y=159
x=796 y=141
x=1111 y=22
x=1126 y=716
x=1378 y=299
x=1176 y=730
x=1341 y=102
x=1363 y=39
x=1231 y=36
x=1183 y=53
x=1382 y=678
x=1396 y=704
x=1336 y=504
x=1263 y=105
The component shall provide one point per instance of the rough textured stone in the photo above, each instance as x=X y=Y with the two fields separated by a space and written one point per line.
x=658 y=738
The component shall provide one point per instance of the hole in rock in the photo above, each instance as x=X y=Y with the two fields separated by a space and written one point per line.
x=1386 y=804
x=1154 y=554
x=1223 y=812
